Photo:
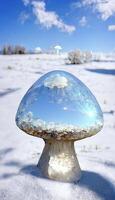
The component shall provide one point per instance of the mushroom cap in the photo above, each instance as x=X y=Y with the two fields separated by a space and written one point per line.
x=37 y=49
x=60 y=106
x=58 y=47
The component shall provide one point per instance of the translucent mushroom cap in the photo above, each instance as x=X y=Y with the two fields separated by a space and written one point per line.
x=58 y=47
x=38 y=49
x=60 y=106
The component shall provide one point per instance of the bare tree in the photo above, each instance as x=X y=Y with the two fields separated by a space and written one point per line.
x=79 y=57
x=75 y=57
x=19 y=49
x=9 y=49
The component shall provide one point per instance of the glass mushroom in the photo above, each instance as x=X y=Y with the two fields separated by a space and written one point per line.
x=60 y=109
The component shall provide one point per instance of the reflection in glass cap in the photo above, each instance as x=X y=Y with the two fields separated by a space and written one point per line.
x=60 y=106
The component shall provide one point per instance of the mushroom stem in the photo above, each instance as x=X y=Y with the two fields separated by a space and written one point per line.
x=59 y=162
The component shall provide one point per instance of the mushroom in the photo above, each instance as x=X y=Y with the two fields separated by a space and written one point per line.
x=58 y=48
x=60 y=109
x=38 y=50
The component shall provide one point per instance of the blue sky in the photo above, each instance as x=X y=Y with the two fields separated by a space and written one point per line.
x=83 y=24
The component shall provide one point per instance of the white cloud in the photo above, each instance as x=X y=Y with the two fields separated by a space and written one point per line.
x=106 y=8
x=111 y=27
x=83 y=21
x=75 y=5
x=48 y=19
x=24 y=17
x=26 y=2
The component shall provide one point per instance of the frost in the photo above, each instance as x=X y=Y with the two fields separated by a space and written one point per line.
x=34 y=126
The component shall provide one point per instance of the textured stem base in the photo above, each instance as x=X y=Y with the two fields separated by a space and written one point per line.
x=59 y=162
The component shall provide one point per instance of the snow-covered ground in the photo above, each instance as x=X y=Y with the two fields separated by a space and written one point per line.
x=19 y=152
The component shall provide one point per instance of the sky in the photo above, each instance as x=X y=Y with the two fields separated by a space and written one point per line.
x=73 y=24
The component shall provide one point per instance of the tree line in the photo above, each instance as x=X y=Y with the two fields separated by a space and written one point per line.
x=9 y=49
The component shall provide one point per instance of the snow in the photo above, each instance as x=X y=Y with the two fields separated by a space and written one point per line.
x=19 y=152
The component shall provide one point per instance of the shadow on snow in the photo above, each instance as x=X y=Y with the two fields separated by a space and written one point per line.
x=8 y=91
x=103 y=71
x=90 y=180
